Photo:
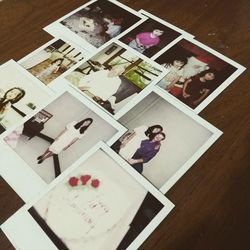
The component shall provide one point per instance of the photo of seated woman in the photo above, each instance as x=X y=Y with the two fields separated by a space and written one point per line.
x=99 y=22
x=160 y=140
x=53 y=139
x=150 y=37
x=19 y=95
x=50 y=62
x=194 y=73
x=113 y=77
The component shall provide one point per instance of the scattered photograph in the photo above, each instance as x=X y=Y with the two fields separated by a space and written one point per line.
x=51 y=60
x=150 y=37
x=58 y=135
x=20 y=95
x=195 y=73
x=113 y=77
x=163 y=141
x=100 y=21
x=105 y=207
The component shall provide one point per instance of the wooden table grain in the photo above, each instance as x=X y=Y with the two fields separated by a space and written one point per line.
x=213 y=198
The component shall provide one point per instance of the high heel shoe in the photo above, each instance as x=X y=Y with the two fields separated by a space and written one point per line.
x=39 y=157
x=40 y=161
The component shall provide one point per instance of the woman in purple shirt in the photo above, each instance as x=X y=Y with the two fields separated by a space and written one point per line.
x=147 y=151
x=146 y=40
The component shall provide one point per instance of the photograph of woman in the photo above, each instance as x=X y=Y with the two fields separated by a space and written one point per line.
x=140 y=145
x=114 y=77
x=146 y=40
x=99 y=22
x=59 y=134
x=52 y=59
x=150 y=37
x=147 y=151
x=197 y=88
x=9 y=98
x=175 y=74
x=73 y=132
x=51 y=69
x=20 y=94
x=194 y=72
x=160 y=150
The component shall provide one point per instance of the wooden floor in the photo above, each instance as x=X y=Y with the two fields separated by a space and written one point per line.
x=213 y=198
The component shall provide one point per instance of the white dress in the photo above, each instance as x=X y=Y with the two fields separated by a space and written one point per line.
x=99 y=84
x=49 y=70
x=130 y=148
x=173 y=76
x=66 y=138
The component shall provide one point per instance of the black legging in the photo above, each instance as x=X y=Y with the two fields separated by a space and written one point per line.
x=137 y=166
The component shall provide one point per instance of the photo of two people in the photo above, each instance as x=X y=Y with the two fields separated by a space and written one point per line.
x=113 y=77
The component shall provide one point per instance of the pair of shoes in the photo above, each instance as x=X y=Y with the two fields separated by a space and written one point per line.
x=40 y=161
x=39 y=157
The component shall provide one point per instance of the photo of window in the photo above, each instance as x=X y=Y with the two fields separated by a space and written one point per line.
x=114 y=79
x=52 y=60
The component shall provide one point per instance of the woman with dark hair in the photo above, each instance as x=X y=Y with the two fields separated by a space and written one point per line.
x=73 y=132
x=52 y=68
x=147 y=151
x=10 y=97
x=131 y=141
x=146 y=40
x=175 y=73
x=197 y=88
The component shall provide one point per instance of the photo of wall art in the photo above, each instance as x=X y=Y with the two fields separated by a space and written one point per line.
x=197 y=74
x=96 y=23
x=114 y=77
x=20 y=95
x=163 y=141
x=150 y=37
x=51 y=60
x=52 y=140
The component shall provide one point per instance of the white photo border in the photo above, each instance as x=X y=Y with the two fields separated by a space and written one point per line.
x=239 y=70
x=130 y=104
x=33 y=79
x=28 y=183
x=216 y=133
x=57 y=29
x=10 y=225
x=85 y=54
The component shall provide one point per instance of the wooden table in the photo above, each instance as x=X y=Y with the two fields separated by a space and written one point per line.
x=212 y=199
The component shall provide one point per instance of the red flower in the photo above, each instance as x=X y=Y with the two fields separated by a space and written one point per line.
x=73 y=181
x=95 y=183
x=85 y=178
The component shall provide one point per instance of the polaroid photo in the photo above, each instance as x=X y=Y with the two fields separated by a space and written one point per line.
x=52 y=59
x=164 y=139
x=47 y=144
x=101 y=204
x=20 y=95
x=197 y=73
x=153 y=35
x=114 y=77
x=95 y=23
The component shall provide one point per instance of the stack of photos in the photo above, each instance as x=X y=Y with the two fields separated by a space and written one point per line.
x=100 y=122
